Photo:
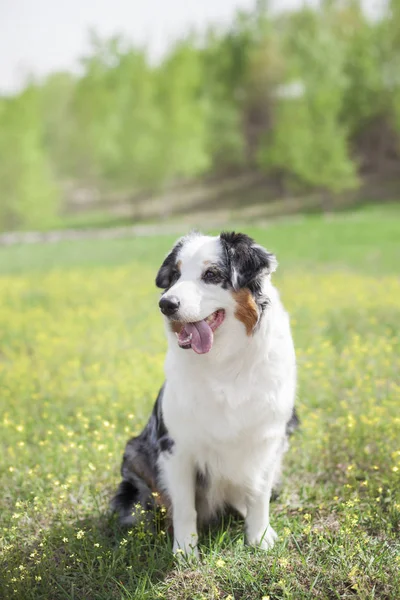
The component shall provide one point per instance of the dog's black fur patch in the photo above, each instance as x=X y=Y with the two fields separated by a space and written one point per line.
x=243 y=262
x=139 y=468
x=126 y=497
x=244 y=257
x=168 y=272
x=293 y=423
x=202 y=479
x=166 y=444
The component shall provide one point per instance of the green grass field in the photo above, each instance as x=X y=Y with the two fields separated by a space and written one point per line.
x=81 y=359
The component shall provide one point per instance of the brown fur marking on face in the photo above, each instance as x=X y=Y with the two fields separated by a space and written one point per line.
x=179 y=265
x=246 y=309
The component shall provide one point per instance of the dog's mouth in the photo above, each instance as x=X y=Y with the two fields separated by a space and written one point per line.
x=200 y=335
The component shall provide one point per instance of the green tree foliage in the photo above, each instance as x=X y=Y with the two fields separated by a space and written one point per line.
x=365 y=96
x=27 y=193
x=56 y=95
x=183 y=142
x=214 y=104
x=137 y=125
x=97 y=106
x=309 y=140
x=224 y=139
x=226 y=60
x=390 y=29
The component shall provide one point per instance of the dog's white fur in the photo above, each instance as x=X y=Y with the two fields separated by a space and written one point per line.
x=225 y=410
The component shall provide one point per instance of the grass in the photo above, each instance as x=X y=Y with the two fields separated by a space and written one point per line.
x=86 y=220
x=81 y=359
x=366 y=240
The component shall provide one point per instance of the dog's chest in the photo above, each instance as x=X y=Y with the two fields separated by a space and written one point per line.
x=213 y=411
x=226 y=432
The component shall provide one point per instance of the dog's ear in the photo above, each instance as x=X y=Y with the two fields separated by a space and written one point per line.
x=168 y=269
x=246 y=259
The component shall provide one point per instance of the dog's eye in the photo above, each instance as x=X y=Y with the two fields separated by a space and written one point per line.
x=211 y=276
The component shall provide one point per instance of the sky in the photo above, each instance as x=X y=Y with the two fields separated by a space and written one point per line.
x=41 y=36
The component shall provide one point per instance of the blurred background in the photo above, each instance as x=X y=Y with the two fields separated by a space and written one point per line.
x=138 y=120
x=115 y=113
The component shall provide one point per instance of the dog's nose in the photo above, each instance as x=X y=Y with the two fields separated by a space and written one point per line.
x=169 y=305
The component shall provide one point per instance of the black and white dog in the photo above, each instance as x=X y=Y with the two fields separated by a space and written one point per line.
x=221 y=421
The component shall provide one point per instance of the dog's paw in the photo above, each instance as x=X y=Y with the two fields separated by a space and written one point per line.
x=188 y=553
x=266 y=540
x=269 y=538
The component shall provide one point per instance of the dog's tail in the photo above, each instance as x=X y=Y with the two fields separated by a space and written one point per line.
x=293 y=423
x=131 y=498
x=291 y=426
x=134 y=495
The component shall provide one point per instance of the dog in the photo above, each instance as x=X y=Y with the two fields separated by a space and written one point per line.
x=222 y=419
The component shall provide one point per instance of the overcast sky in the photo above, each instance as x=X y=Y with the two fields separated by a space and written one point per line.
x=41 y=36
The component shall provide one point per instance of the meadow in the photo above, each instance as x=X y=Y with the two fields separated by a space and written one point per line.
x=81 y=359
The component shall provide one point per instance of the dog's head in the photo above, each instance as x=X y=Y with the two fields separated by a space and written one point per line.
x=208 y=281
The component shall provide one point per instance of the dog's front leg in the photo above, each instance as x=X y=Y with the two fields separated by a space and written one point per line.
x=258 y=529
x=179 y=472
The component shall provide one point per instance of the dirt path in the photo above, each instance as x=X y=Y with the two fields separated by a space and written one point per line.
x=48 y=237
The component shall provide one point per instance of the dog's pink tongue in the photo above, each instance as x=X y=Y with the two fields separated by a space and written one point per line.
x=202 y=336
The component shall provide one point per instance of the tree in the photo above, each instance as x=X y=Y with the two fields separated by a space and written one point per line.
x=28 y=196
x=309 y=141
x=57 y=118
x=182 y=105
